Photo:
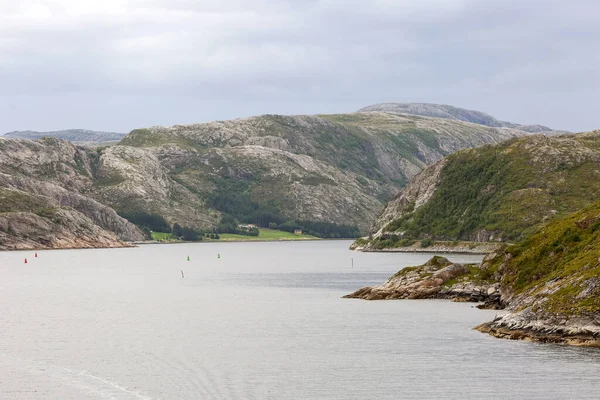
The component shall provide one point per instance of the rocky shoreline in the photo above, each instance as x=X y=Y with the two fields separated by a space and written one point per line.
x=447 y=248
x=439 y=278
x=548 y=336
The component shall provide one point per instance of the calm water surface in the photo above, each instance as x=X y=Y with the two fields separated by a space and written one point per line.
x=265 y=321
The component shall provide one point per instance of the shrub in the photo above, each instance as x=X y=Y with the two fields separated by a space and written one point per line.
x=427 y=242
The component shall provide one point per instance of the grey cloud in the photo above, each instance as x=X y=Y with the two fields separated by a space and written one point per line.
x=116 y=65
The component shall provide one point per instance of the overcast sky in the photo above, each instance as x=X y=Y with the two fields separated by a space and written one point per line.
x=116 y=65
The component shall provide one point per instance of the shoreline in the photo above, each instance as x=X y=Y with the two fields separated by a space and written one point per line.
x=439 y=278
x=531 y=335
x=235 y=241
x=156 y=242
x=484 y=248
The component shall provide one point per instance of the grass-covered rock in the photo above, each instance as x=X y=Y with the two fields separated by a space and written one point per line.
x=551 y=282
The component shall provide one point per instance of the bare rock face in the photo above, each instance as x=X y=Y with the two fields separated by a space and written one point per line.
x=62 y=229
x=416 y=194
x=58 y=197
x=48 y=185
x=428 y=281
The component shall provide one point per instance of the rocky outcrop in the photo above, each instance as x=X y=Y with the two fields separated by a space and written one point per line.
x=527 y=324
x=49 y=184
x=56 y=229
x=438 y=278
x=524 y=316
x=58 y=197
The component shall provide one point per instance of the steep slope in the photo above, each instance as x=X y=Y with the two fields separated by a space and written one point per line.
x=133 y=179
x=333 y=168
x=36 y=222
x=551 y=283
x=53 y=179
x=72 y=135
x=500 y=192
x=455 y=113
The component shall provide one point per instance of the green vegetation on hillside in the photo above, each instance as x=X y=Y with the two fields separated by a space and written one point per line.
x=322 y=229
x=509 y=190
x=560 y=264
x=153 y=222
x=234 y=197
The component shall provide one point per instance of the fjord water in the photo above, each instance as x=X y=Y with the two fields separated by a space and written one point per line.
x=264 y=321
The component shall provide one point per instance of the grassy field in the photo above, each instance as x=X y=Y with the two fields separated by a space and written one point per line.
x=161 y=236
x=265 y=235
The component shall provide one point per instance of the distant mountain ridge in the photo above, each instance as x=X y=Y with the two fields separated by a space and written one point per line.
x=72 y=135
x=456 y=114
x=336 y=169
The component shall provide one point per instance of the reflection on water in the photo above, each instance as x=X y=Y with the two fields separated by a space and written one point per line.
x=265 y=321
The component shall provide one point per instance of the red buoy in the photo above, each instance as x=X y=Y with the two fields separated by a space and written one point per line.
x=35 y=255
x=25 y=261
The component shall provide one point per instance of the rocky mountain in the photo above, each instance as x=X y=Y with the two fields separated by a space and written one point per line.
x=500 y=192
x=331 y=168
x=72 y=135
x=455 y=113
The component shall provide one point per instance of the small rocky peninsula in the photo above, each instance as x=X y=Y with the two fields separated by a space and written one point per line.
x=438 y=278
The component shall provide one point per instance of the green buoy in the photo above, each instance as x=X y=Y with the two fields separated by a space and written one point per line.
x=218 y=255
x=188 y=258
